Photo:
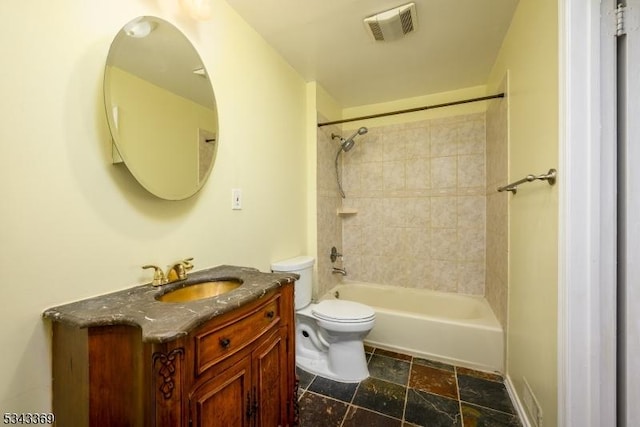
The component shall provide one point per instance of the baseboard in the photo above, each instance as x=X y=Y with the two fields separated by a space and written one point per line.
x=517 y=403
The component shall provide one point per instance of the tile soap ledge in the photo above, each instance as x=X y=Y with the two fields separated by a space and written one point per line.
x=166 y=321
x=347 y=211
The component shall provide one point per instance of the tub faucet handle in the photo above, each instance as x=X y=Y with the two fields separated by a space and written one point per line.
x=335 y=254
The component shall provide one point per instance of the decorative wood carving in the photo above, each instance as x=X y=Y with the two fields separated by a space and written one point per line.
x=167 y=369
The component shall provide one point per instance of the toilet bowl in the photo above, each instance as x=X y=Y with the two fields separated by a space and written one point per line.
x=329 y=334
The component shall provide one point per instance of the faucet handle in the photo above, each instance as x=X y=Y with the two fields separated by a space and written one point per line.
x=335 y=255
x=188 y=265
x=178 y=271
x=158 y=276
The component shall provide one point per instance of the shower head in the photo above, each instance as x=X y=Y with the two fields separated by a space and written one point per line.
x=347 y=144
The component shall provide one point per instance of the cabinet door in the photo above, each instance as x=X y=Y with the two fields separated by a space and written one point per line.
x=224 y=400
x=271 y=380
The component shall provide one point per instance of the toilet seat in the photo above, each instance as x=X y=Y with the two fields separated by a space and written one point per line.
x=342 y=311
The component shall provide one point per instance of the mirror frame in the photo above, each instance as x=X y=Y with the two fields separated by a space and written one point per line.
x=161 y=108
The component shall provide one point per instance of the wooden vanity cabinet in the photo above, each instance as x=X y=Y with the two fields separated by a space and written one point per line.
x=237 y=369
x=247 y=393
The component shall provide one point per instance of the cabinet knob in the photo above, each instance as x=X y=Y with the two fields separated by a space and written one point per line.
x=271 y=314
x=225 y=342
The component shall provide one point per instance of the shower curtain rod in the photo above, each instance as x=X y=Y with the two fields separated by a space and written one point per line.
x=412 y=110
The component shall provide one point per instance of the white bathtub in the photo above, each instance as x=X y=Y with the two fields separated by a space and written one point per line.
x=452 y=328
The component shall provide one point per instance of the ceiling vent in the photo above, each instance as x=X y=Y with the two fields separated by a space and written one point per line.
x=392 y=24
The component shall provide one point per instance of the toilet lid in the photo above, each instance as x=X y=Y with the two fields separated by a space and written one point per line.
x=343 y=311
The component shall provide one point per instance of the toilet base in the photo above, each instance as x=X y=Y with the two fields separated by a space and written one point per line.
x=332 y=349
x=344 y=362
x=319 y=366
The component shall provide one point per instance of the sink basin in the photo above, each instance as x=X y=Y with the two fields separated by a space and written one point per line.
x=199 y=291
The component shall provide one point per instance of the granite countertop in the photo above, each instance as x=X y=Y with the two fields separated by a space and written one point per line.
x=166 y=321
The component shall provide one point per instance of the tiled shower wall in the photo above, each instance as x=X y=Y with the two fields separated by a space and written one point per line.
x=428 y=215
x=497 y=209
x=328 y=202
x=420 y=195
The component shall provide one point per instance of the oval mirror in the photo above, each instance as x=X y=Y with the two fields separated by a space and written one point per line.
x=161 y=108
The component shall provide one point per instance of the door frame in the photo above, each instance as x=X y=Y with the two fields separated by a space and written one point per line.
x=629 y=217
x=587 y=237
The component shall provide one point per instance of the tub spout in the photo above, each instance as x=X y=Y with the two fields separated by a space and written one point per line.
x=337 y=270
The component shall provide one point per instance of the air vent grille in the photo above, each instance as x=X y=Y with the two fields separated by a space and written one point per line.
x=392 y=24
x=376 y=31
x=407 y=22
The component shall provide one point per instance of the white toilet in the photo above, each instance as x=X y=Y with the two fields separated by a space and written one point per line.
x=330 y=334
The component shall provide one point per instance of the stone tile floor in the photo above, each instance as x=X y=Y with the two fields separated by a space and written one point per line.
x=406 y=391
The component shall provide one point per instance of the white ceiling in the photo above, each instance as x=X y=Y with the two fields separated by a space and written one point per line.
x=454 y=47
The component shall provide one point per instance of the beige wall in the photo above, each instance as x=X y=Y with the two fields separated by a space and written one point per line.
x=530 y=54
x=418 y=102
x=74 y=225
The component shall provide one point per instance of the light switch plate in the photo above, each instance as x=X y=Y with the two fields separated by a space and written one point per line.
x=236 y=199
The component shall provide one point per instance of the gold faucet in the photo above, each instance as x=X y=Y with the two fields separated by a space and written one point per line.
x=176 y=272
x=158 y=276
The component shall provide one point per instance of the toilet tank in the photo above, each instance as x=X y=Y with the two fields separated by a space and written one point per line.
x=302 y=265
